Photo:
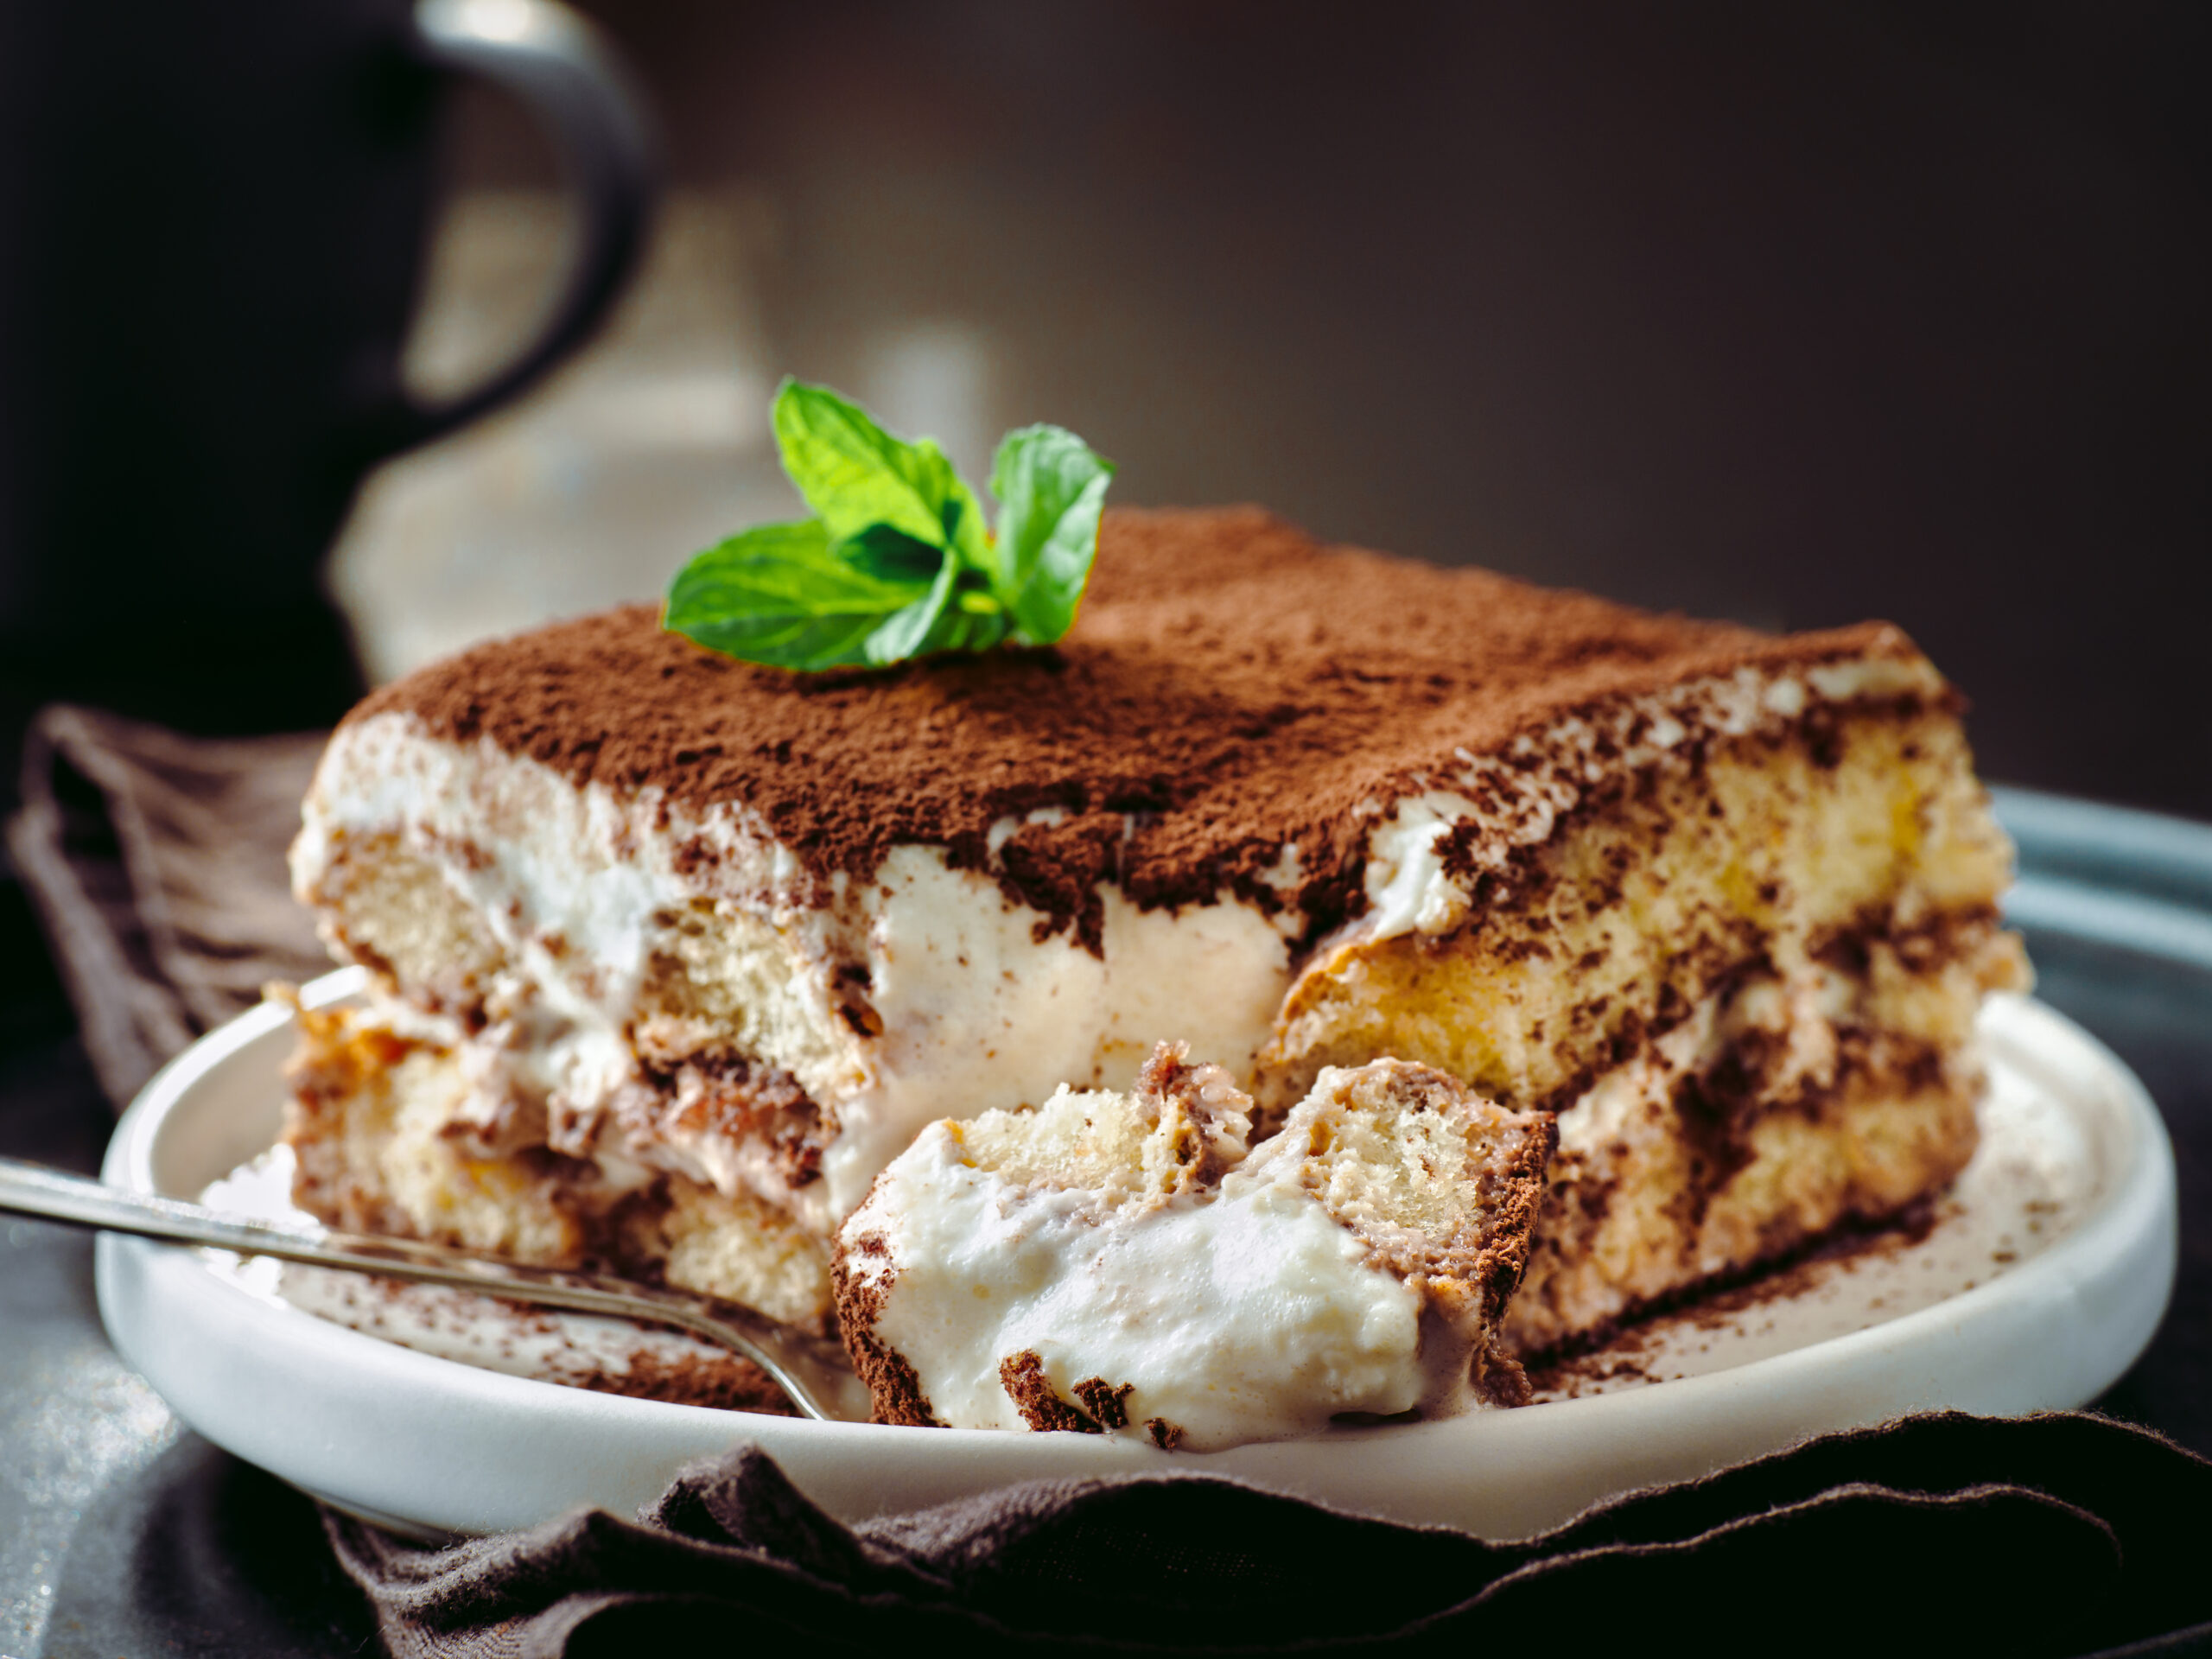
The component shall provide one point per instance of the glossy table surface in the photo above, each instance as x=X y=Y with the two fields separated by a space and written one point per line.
x=122 y=1533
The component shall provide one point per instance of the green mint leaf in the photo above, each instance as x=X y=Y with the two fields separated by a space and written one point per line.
x=909 y=632
x=1052 y=488
x=891 y=555
x=857 y=476
x=781 y=595
x=958 y=614
x=974 y=620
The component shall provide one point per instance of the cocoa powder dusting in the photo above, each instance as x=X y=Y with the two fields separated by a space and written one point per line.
x=1230 y=688
x=1022 y=1376
x=725 y=1382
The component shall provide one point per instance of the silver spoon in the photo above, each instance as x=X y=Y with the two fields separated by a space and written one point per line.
x=811 y=1371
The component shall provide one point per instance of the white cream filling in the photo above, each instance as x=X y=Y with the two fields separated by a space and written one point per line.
x=1247 y=1315
x=979 y=1014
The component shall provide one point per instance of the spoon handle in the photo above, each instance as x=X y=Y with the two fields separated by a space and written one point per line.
x=810 y=1371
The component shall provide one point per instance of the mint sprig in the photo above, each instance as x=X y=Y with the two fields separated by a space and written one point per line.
x=897 y=561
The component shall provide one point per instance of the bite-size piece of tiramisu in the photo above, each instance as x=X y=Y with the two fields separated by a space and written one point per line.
x=1121 y=1263
x=691 y=941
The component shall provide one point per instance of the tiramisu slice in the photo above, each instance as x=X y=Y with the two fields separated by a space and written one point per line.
x=689 y=941
x=1117 y=1264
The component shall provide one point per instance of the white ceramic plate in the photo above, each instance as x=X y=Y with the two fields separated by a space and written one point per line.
x=2045 y=1322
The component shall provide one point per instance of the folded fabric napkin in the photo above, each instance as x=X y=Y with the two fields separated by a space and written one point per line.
x=1937 y=1535
x=157 y=864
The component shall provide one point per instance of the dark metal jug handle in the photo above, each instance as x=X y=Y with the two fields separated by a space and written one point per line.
x=556 y=62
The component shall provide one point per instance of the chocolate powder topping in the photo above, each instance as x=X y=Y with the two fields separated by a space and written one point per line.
x=894 y=1386
x=1108 y=1406
x=723 y=1381
x=1230 y=688
x=1022 y=1376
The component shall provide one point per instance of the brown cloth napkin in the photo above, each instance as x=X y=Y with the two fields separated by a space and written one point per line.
x=1938 y=1535
x=157 y=864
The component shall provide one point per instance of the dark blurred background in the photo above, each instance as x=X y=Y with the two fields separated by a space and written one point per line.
x=1791 y=314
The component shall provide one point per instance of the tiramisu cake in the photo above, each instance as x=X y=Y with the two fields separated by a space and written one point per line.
x=672 y=955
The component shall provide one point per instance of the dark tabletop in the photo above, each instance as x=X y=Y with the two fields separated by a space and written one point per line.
x=121 y=1532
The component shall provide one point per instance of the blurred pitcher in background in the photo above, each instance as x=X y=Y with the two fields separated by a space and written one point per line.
x=213 y=216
